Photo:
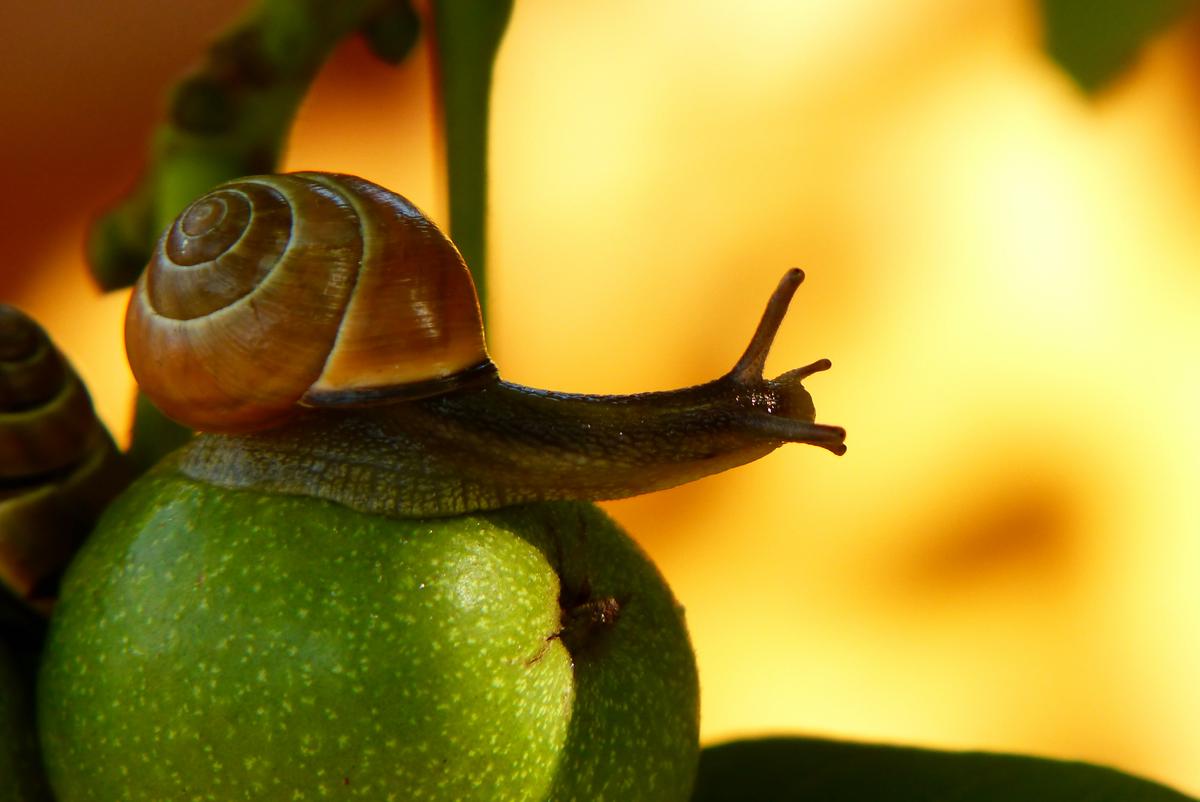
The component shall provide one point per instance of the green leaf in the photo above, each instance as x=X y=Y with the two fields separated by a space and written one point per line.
x=1093 y=40
x=468 y=34
x=802 y=769
x=392 y=31
x=154 y=436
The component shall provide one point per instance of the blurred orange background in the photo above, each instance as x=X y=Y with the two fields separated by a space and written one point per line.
x=1003 y=272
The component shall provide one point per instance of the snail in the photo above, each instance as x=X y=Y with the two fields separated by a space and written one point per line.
x=343 y=579
x=58 y=465
x=327 y=337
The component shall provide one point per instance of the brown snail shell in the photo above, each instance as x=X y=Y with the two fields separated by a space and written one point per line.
x=46 y=417
x=308 y=289
x=58 y=465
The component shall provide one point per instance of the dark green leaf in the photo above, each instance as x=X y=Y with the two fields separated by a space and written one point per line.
x=21 y=775
x=18 y=622
x=392 y=31
x=1093 y=40
x=803 y=769
x=154 y=436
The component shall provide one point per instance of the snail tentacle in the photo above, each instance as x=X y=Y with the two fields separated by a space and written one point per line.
x=750 y=366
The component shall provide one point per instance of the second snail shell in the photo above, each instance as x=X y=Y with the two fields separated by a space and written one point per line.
x=309 y=289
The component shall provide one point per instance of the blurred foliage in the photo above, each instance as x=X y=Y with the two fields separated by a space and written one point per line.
x=154 y=436
x=793 y=769
x=1094 y=40
x=468 y=34
x=230 y=117
x=21 y=775
x=391 y=31
x=19 y=623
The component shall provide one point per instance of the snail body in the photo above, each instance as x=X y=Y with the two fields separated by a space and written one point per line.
x=333 y=347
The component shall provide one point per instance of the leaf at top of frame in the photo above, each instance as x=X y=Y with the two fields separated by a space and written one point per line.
x=1094 y=40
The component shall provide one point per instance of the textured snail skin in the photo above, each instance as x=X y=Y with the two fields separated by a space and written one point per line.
x=328 y=338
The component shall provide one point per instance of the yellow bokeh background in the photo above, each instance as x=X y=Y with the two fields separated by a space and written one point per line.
x=1004 y=272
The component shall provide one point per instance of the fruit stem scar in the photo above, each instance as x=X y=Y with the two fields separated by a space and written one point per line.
x=585 y=622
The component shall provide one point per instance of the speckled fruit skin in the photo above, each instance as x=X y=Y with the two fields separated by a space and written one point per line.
x=225 y=645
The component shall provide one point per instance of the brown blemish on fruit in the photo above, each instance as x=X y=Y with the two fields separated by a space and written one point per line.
x=587 y=619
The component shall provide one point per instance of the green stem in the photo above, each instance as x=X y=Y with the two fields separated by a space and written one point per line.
x=468 y=34
x=230 y=117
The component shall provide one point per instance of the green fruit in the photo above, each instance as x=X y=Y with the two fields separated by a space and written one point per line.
x=228 y=645
x=21 y=778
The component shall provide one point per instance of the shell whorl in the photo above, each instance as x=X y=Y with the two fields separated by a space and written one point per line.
x=58 y=465
x=309 y=289
x=46 y=417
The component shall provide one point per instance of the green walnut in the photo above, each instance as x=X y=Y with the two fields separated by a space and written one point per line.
x=375 y=573
x=244 y=646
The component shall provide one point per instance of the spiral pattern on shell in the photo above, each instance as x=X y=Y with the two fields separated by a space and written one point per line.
x=58 y=466
x=46 y=417
x=308 y=289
